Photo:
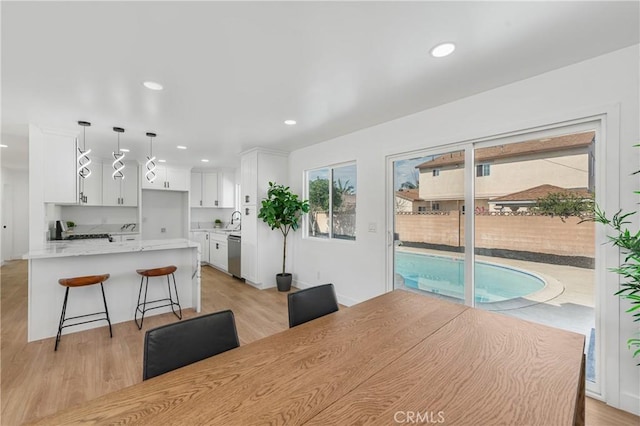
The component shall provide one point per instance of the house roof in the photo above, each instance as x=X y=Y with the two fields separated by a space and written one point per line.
x=560 y=143
x=409 y=194
x=540 y=191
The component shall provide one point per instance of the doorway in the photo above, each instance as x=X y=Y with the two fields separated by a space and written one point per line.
x=502 y=224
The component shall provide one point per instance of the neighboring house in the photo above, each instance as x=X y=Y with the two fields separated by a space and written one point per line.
x=409 y=201
x=563 y=161
x=524 y=200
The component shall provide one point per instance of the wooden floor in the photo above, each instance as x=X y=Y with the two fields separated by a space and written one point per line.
x=36 y=381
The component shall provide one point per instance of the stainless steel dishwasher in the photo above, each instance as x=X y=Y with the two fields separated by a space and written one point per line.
x=234 y=255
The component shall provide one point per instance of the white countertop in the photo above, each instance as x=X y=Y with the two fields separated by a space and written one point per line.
x=89 y=247
x=222 y=231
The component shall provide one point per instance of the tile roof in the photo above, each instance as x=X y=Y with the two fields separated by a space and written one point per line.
x=541 y=191
x=560 y=143
x=409 y=194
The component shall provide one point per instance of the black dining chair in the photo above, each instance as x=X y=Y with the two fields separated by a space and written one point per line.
x=311 y=303
x=175 y=345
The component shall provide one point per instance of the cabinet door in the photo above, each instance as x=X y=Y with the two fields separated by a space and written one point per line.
x=249 y=178
x=177 y=179
x=195 y=194
x=129 y=186
x=219 y=254
x=249 y=224
x=90 y=193
x=59 y=169
x=158 y=183
x=210 y=189
x=226 y=189
x=110 y=187
x=206 y=250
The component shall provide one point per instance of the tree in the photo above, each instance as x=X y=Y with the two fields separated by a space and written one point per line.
x=565 y=204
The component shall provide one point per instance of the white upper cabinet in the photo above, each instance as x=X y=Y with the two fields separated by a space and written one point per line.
x=167 y=178
x=226 y=189
x=120 y=192
x=212 y=189
x=249 y=178
x=195 y=194
x=90 y=188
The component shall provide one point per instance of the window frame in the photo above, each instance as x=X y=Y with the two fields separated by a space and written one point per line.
x=306 y=221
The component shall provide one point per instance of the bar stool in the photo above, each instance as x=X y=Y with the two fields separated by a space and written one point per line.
x=142 y=306
x=82 y=282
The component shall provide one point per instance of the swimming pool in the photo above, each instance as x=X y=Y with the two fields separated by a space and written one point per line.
x=445 y=276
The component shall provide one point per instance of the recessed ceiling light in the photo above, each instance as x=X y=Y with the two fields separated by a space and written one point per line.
x=290 y=122
x=204 y=160
x=442 y=50
x=152 y=85
x=124 y=150
x=4 y=146
x=162 y=161
x=181 y=147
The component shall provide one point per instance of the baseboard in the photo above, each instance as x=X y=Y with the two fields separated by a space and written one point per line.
x=630 y=403
x=346 y=301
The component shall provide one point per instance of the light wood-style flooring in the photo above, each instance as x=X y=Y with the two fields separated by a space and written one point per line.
x=36 y=381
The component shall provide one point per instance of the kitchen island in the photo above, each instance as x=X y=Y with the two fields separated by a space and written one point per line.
x=67 y=259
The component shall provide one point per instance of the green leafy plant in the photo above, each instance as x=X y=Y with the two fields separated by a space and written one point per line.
x=70 y=224
x=629 y=243
x=282 y=210
x=565 y=204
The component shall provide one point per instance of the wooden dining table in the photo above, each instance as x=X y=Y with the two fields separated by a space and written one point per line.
x=397 y=358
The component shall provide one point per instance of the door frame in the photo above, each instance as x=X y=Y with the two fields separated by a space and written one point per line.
x=605 y=306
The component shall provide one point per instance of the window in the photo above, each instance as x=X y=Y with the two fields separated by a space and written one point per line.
x=483 y=170
x=332 y=212
x=435 y=206
x=436 y=172
x=422 y=208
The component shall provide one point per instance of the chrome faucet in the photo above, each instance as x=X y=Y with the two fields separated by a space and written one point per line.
x=239 y=217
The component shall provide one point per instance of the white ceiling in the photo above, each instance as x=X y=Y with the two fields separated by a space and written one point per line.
x=234 y=71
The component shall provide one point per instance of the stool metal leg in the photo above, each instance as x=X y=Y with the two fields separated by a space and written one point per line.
x=144 y=303
x=64 y=310
x=177 y=302
x=106 y=310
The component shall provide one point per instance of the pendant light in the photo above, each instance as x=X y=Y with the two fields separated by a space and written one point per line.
x=150 y=174
x=83 y=159
x=118 y=156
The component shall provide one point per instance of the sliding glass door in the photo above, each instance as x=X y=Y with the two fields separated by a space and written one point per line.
x=503 y=225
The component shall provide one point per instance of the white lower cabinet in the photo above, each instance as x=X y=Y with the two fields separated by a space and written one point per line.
x=202 y=238
x=218 y=251
x=126 y=237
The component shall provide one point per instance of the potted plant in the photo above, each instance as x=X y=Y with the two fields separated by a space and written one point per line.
x=217 y=223
x=281 y=210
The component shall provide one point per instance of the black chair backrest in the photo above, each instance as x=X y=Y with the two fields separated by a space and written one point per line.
x=181 y=343
x=311 y=303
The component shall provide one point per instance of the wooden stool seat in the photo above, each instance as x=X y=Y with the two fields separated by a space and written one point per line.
x=157 y=272
x=145 y=305
x=82 y=282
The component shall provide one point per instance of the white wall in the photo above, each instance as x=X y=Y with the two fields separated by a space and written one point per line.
x=606 y=84
x=164 y=209
x=208 y=215
x=15 y=206
x=97 y=215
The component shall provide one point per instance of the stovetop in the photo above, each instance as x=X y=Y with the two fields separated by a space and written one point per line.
x=87 y=236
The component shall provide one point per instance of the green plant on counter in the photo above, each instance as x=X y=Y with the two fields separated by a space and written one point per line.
x=71 y=224
x=217 y=223
x=629 y=244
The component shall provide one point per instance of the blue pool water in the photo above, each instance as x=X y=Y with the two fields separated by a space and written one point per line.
x=445 y=276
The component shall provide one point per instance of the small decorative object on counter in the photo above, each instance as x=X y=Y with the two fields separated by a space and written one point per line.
x=217 y=223
x=70 y=225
